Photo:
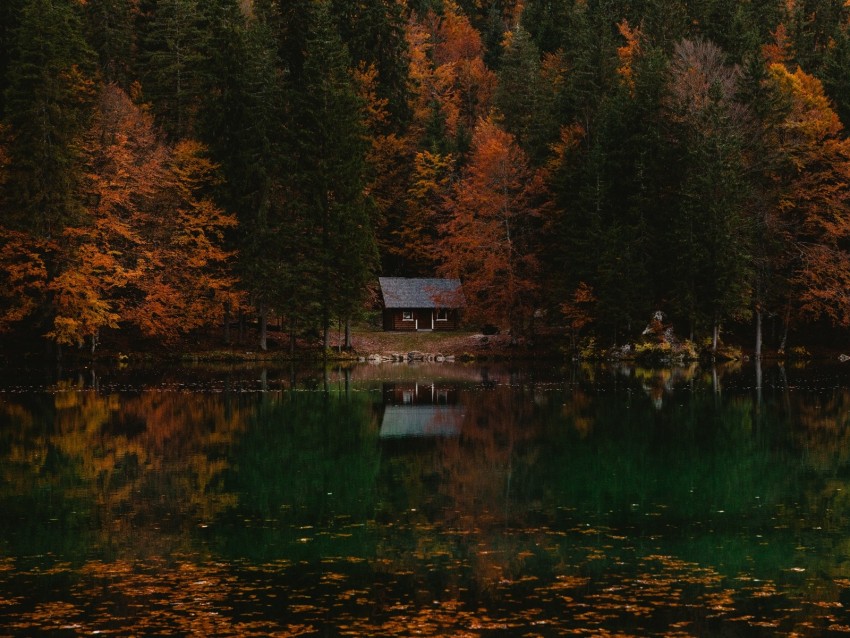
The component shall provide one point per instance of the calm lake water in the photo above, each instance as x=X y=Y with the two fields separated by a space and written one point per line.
x=429 y=500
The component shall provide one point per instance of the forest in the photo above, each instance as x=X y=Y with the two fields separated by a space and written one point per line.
x=175 y=167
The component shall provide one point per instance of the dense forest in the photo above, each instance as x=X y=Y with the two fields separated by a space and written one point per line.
x=169 y=166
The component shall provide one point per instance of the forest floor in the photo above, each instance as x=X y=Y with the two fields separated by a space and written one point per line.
x=372 y=341
x=366 y=342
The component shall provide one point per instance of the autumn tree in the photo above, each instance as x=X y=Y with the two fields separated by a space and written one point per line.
x=813 y=211
x=577 y=311
x=149 y=253
x=450 y=84
x=458 y=53
x=450 y=89
x=491 y=234
x=430 y=185
x=24 y=261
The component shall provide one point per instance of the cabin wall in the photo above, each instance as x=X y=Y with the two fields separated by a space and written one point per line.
x=421 y=319
x=452 y=321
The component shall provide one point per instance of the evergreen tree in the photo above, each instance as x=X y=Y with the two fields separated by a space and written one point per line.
x=292 y=26
x=814 y=26
x=710 y=232
x=47 y=103
x=9 y=16
x=524 y=97
x=173 y=46
x=373 y=31
x=738 y=28
x=111 y=33
x=241 y=120
x=325 y=197
x=835 y=72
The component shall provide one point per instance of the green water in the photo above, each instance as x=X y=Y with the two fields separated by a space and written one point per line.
x=426 y=500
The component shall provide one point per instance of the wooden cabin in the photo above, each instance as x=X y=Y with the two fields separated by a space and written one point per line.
x=421 y=304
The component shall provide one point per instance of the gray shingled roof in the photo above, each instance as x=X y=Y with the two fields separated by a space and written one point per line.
x=401 y=292
x=421 y=420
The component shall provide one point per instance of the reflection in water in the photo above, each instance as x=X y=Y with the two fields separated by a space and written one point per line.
x=421 y=408
x=440 y=500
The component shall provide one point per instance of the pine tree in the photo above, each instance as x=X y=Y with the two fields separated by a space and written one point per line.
x=111 y=33
x=711 y=232
x=524 y=96
x=9 y=17
x=47 y=106
x=241 y=120
x=173 y=48
x=374 y=33
x=325 y=197
x=834 y=73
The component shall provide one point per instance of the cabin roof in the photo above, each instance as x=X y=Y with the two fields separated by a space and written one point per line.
x=403 y=292
x=421 y=421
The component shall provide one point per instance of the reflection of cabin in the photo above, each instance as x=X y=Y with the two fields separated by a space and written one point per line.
x=420 y=410
x=419 y=393
x=421 y=304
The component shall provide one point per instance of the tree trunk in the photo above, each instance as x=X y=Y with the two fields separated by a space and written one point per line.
x=292 y=329
x=757 y=353
x=715 y=336
x=785 y=328
x=347 y=373
x=264 y=318
x=227 y=324
x=326 y=338
x=348 y=345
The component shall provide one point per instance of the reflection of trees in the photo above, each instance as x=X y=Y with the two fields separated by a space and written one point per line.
x=308 y=461
x=146 y=461
x=461 y=494
x=569 y=502
x=527 y=458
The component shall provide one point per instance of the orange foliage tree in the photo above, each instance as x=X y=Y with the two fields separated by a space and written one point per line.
x=150 y=253
x=490 y=237
x=813 y=212
x=430 y=184
x=447 y=72
x=389 y=158
x=24 y=261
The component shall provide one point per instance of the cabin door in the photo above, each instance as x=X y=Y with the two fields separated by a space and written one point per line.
x=423 y=320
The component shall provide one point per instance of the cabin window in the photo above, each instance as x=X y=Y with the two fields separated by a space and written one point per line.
x=442 y=315
x=407 y=316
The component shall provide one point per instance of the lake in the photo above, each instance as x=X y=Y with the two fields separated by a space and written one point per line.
x=427 y=500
